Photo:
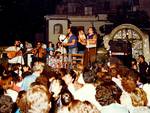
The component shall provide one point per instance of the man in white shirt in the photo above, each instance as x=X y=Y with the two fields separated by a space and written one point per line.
x=14 y=53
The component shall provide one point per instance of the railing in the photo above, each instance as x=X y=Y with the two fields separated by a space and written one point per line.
x=66 y=60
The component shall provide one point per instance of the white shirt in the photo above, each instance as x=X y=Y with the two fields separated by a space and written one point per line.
x=125 y=100
x=80 y=79
x=85 y=93
x=12 y=48
x=17 y=59
x=146 y=88
x=62 y=38
x=13 y=94
x=118 y=82
x=62 y=50
x=114 y=108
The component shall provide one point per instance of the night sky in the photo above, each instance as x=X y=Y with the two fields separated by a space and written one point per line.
x=23 y=18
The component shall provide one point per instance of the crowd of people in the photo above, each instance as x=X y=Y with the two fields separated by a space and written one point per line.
x=103 y=86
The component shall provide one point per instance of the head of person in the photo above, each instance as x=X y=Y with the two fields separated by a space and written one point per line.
x=113 y=72
x=91 y=30
x=25 y=68
x=69 y=30
x=49 y=72
x=38 y=99
x=16 y=66
x=51 y=53
x=133 y=64
x=56 y=86
x=129 y=81
x=80 y=67
x=81 y=32
x=77 y=106
x=50 y=44
x=6 y=104
x=73 y=75
x=89 y=76
x=6 y=82
x=21 y=101
x=72 y=30
x=70 y=77
x=38 y=67
x=110 y=90
x=104 y=76
x=44 y=80
x=38 y=44
x=66 y=97
x=17 y=43
x=15 y=77
x=141 y=58
x=58 y=45
x=133 y=61
x=57 y=54
x=63 y=71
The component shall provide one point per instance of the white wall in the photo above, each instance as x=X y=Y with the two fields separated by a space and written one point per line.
x=54 y=37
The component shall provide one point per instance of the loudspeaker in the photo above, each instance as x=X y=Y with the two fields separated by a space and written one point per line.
x=121 y=49
x=123 y=46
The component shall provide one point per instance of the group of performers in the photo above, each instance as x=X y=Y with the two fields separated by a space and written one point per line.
x=84 y=44
x=76 y=44
x=17 y=53
x=81 y=44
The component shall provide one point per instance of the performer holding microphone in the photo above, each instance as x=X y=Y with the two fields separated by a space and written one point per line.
x=90 y=54
x=72 y=43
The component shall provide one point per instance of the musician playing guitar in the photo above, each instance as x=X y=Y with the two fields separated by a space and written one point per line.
x=39 y=53
x=14 y=53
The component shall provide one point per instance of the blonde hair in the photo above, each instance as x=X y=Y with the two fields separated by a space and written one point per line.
x=38 y=66
x=38 y=99
x=82 y=107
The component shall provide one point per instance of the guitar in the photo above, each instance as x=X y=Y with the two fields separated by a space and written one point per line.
x=12 y=54
x=39 y=52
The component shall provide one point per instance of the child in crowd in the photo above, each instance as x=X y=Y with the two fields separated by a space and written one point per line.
x=50 y=47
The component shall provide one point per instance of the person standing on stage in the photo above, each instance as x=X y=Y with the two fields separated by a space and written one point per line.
x=81 y=42
x=90 y=54
x=72 y=43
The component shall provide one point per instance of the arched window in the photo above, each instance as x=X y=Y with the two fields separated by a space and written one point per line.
x=58 y=29
x=133 y=37
x=138 y=39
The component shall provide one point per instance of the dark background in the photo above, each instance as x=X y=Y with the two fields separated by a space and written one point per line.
x=22 y=19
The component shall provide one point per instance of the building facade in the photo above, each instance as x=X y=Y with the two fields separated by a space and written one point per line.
x=94 y=7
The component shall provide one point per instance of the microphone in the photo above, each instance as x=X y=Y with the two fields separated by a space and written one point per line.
x=21 y=46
